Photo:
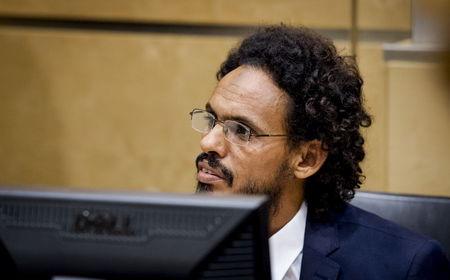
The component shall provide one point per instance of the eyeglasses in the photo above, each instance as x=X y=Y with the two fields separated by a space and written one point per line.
x=235 y=132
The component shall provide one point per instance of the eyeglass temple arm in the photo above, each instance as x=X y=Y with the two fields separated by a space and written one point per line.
x=270 y=135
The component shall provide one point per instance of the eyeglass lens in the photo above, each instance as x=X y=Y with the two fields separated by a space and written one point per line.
x=234 y=132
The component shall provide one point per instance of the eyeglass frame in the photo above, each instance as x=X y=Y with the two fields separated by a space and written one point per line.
x=225 y=127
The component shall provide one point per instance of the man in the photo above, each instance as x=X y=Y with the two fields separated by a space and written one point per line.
x=284 y=120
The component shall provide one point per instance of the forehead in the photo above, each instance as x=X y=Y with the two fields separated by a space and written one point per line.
x=250 y=93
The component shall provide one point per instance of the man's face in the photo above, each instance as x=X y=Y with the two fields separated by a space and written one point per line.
x=247 y=95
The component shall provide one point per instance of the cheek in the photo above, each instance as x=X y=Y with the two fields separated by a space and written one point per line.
x=257 y=163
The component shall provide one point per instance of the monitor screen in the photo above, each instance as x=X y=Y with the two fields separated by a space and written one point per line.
x=48 y=234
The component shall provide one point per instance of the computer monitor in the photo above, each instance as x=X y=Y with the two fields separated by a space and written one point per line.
x=44 y=234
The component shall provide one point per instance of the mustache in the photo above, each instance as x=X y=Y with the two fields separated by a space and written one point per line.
x=214 y=162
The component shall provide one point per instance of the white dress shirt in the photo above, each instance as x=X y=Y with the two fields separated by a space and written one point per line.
x=286 y=248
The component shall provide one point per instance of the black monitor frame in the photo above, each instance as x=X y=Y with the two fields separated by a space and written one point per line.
x=133 y=236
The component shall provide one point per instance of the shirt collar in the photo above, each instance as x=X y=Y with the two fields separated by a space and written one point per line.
x=287 y=243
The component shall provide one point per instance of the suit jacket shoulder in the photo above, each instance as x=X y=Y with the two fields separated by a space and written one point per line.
x=355 y=244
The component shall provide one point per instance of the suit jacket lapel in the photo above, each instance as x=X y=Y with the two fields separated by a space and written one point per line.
x=320 y=241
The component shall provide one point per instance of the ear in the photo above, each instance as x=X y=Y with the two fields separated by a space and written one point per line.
x=308 y=158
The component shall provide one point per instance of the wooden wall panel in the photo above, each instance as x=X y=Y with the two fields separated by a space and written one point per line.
x=95 y=109
x=372 y=14
x=394 y=15
x=315 y=13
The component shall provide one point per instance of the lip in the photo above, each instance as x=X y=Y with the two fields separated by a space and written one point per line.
x=207 y=174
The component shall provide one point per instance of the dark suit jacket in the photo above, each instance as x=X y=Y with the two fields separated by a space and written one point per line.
x=355 y=244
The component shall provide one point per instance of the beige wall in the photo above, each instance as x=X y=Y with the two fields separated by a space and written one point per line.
x=418 y=128
x=102 y=109
x=373 y=71
x=96 y=108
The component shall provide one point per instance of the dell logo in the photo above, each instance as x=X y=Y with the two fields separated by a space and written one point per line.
x=102 y=223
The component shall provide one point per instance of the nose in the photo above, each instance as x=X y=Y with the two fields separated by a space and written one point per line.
x=214 y=141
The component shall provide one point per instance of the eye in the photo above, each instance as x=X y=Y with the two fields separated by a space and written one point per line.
x=241 y=129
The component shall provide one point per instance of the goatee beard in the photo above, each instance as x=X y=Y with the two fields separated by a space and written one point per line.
x=203 y=188
x=213 y=162
x=271 y=188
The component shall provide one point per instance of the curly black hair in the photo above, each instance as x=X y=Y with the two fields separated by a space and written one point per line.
x=326 y=104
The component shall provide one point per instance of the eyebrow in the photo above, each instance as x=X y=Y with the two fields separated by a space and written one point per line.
x=240 y=119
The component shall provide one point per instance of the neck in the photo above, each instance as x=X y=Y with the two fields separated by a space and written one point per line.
x=288 y=205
